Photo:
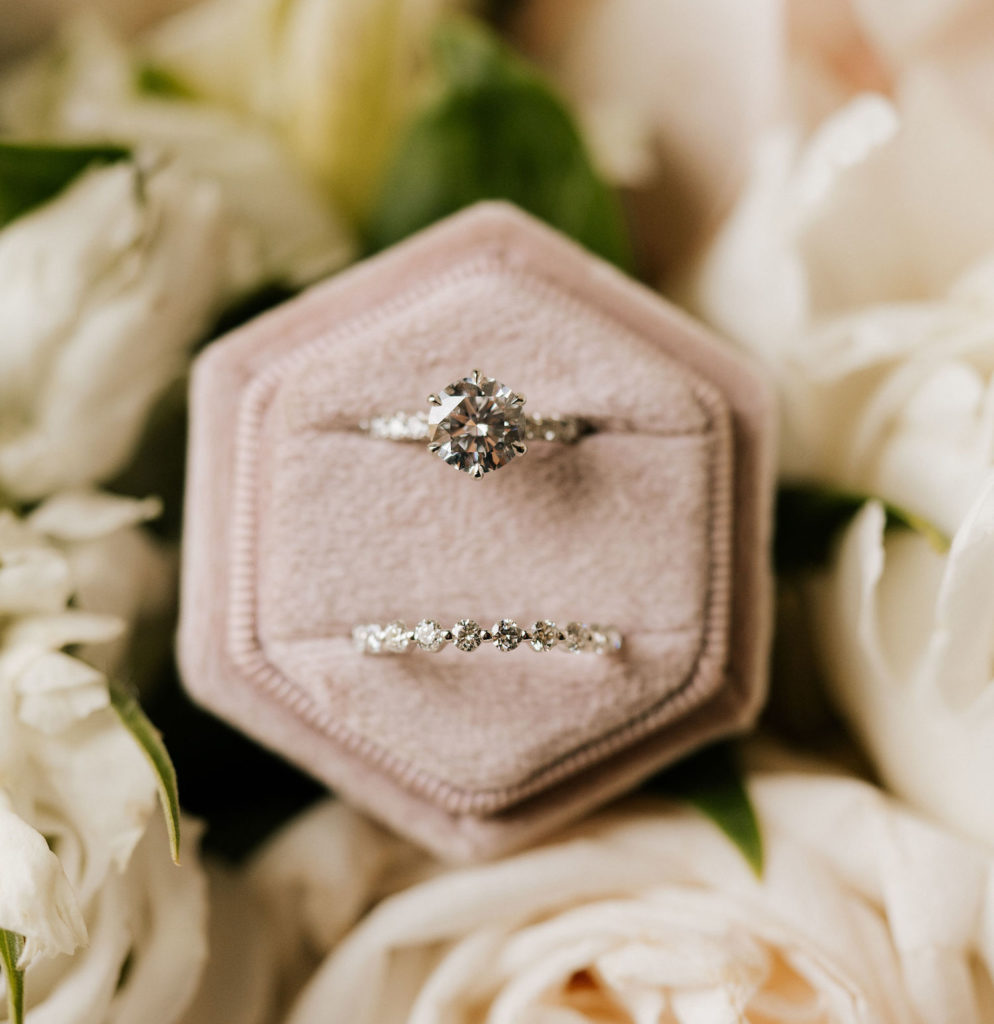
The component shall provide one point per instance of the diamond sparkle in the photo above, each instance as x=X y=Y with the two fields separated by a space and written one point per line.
x=429 y=635
x=467 y=635
x=477 y=424
x=506 y=635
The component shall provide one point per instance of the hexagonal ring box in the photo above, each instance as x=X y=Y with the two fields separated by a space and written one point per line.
x=301 y=526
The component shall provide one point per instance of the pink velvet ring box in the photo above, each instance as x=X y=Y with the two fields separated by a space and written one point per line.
x=300 y=527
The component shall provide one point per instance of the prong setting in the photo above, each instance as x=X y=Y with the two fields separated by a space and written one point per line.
x=467 y=635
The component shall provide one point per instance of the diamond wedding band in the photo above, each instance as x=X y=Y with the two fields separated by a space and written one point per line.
x=467 y=635
x=476 y=424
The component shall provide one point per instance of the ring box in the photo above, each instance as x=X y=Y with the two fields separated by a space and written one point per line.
x=299 y=527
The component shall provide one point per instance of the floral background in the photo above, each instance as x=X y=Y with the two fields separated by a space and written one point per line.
x=813 y=178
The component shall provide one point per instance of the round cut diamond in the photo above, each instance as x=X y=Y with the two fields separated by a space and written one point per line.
x=467 y=635
x=506 y=635
x=477 y=424
x=544 y=635
x=578 y=638
x=365 y=639
x=395 y=638
x=429 y=635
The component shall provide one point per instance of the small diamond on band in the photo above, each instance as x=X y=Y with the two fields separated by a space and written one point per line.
x=468 y=635
x=476 y=424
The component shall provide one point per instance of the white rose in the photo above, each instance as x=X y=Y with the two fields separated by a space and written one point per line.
x=117 y=569
x=83 y=849
x=336 y=77
x=85 y=88
x=841 y=47
x=870 y=301
x=647 y=913
x=907 y=638
x=672 y=95
x=103 y=292
x=147 y=925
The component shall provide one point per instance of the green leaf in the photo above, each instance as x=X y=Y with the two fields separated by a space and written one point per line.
x=496 y=132
x=11 y=945
x=154 y=80
x=150 y=740
x=712 y=782
x=31 y=173
x=809 y=517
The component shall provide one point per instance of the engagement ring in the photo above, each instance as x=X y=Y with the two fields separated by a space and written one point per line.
x=476 y=424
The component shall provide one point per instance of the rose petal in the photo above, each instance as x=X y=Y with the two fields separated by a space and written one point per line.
x=101 y=321
x=239 y=983
x=33 y=577
x=36 y=900
x=84 y=515
x=287 y=231
x=167 y=918
x=52 y=632
x=57 y=690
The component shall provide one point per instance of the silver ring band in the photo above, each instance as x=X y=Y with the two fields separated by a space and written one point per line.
x=468 y=636
x=476 y=424
x=414 y=426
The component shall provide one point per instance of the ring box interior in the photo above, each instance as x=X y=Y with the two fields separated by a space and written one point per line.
x=299 y=527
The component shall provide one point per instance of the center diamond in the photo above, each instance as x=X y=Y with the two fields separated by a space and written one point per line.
x=476 y=424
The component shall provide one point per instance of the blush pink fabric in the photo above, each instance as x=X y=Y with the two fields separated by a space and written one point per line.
x=300 y=527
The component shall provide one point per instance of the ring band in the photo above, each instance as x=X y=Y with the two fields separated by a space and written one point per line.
x=476 y=424
x=468 y=636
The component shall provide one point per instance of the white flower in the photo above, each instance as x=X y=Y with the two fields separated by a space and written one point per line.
x=337 y=78
x=859 y=265
x=68 y=768
x=647 y=913
x=85 y=89
x=672 y=95
x=870 y=300
x=147 y=926
x=103 y=292
x=117 y=570
x=85 y=860
x=907 y=637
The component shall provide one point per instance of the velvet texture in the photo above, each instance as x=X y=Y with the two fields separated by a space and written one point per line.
x=300 y=527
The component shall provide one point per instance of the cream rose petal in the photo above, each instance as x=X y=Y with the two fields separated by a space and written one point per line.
x=36 y=899
x=87 y=91
x=653 y=909
x=77 y=515
x=699 y=119
x=167 y=919
x=877 y=234
x=903 y=28
x=320 y=875
x=240 y=981
x=102 y=321
x=56 y=690
x=337 y=79
x=33 y=576
x=80 y=990
x=98 y=791
x=910 y=666
x=60 y=629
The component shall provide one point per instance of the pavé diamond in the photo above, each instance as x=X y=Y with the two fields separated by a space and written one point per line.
x=467 y=635
x=429 y=635
x=544 y=635
x=506 y=635
x=476 y=424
